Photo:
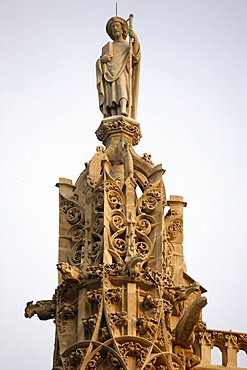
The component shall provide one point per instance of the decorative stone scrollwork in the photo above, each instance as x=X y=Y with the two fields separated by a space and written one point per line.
x=66 y=205
x=71 y=209
x=99 y=199
x=76 y=255
x=149 y=200
x=96 y=249
x=144 y=226
x=114 y=194
x=73 y=215
x=114 y=199
x=149 y=204
x=146 y=327
x=77 y=233
x=117 y=221
x=142 y=248
x=121 y=246
x=94 y=296
x=118 y=319
x=98 y=224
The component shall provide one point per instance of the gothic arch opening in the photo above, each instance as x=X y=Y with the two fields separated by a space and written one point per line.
x=242 y=358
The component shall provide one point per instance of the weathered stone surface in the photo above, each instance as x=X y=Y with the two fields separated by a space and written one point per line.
x=124 y=299
x=118 y=70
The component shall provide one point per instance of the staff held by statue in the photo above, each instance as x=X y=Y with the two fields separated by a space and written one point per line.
x=131 y=16
x=118 y=70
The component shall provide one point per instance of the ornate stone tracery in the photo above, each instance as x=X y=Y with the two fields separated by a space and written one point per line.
x=124 y=300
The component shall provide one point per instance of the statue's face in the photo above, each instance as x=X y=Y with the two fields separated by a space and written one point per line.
x=117 y=30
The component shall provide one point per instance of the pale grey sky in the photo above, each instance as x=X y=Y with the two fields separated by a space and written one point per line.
x=192 y=113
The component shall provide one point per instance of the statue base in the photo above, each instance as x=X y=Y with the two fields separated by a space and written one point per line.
x=119 y=124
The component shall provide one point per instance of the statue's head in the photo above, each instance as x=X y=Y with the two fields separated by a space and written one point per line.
x=120 y=21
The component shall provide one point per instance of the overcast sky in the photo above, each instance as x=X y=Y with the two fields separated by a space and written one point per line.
x=192 y=111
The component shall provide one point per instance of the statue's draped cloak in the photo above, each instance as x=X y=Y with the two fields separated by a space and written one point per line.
x=113 y=78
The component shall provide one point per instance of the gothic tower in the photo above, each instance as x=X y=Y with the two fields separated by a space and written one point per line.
x=124 y=300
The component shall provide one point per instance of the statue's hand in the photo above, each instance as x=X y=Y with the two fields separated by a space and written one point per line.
x=133 y=35
x=106 y=58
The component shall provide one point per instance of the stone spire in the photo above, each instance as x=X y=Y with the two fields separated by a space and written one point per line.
x=124 y=299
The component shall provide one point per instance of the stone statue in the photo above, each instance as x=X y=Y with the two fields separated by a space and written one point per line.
x=118 y=70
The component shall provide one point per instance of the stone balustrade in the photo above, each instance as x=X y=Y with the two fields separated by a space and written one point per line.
x=229 y=344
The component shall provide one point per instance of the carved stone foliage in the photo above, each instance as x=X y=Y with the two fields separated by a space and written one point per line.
x=147 y=157
x=67 y=311
x=118 y=319
x=94 y=296
x=192 y=361
x=115 y=269
x=105 y=360
x=166 y=361
x=113 y=361
x=75 y=359
x=94 y=271
x=94 y=363
x=133 y=349
x=113 y=295
x=120 y=124
x=89 y=323
x=168 y=266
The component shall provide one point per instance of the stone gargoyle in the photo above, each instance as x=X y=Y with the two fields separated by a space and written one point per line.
x=45 y=310
x=184 y=331
x=69 y=272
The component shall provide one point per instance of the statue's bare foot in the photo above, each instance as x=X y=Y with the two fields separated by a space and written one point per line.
x=124 y=112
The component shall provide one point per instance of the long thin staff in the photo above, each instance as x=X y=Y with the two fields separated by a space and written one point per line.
x=131 y=16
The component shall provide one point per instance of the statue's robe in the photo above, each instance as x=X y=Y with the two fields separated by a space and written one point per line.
x=113 y=77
